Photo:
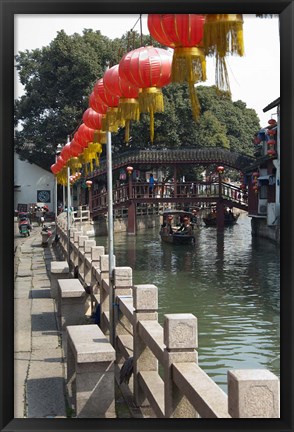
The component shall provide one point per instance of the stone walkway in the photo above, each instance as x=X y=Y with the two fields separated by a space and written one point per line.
x=38 y=366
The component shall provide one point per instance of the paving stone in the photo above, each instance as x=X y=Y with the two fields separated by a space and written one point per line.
x=23 y=273
x=22 y=324
x=21 y=365
x=40 y=400
x=22 y=292
x=41 y=293
x=44 y=342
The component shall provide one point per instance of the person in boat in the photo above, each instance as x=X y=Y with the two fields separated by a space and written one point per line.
x=194 y=218
x=185 y=227
x=167 y=225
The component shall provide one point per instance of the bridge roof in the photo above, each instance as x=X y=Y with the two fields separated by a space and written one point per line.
x=204 y=156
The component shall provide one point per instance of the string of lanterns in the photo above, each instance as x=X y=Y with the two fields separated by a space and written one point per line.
x=134 y=85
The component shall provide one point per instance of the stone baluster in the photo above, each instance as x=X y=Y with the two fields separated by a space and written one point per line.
x=104 y=293
x=96 y=252
x=71 y=236
x=81 y=253
x=88 y=256
x=75 y=247
x=145 y=308
x=181 y=340
x=253 y=393
x=123 y=283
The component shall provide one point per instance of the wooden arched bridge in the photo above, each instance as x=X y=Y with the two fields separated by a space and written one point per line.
x=133 y=195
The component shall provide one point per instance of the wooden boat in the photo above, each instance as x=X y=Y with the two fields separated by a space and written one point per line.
x=175 y=230
x=230 y=218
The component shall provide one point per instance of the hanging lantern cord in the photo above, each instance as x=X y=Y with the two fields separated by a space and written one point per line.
x=141 y=30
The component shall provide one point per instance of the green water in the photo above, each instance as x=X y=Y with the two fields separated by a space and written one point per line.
x=229 y=281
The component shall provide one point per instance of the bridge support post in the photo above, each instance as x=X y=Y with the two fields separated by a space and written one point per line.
x=220 y=216
x=132 y=219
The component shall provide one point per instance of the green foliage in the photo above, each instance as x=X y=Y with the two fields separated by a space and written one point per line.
x=59 y=78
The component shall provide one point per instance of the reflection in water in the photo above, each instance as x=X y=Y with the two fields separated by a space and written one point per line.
x=229 y=281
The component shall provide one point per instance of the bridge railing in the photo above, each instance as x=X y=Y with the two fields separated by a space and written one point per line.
x=180 y=388
x=123 y=193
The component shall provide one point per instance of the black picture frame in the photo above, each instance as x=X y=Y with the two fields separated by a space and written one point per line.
x=8 y=10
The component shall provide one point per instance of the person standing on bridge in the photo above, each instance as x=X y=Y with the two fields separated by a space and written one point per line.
x=151 y=185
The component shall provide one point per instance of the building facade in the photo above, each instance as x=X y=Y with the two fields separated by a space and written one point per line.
x=32 y=185
x=263 y=179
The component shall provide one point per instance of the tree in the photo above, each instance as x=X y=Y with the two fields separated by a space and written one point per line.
x=58 y=80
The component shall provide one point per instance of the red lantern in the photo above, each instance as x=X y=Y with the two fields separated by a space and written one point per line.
x=54 y=169
x=128 y=108
x=84 y=135
x=66 y=152
x=130 y=169
x=272 y=132
x=112 y=123
x=184 y=33
x=271 y=142
x=89 y=183
x=271 y=152
x=76 y=148
x=220 y=169
x=96 y=104
x=92 y=119
x=272 y=122
x=149 y=69
x=60 y=163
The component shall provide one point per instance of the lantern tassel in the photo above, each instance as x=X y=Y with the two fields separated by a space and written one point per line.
x=151 y=98
x=151 y=101
x=127 y=131
x=112 y=121
x=128 y=109
x=223 y=34
x=221 y=74
x=195 y=105
x=189 y=65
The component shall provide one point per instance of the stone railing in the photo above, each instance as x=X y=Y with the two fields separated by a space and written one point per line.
x=81 y=215
x=166 y=375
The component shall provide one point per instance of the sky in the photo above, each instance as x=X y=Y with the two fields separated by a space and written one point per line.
x=254 y=78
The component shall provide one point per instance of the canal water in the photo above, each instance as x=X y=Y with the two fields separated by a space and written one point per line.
x=229 y=281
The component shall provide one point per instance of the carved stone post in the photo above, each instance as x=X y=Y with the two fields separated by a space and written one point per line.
x=181 y=340
x=253 y=393
x=123 y=283
x=146 y=306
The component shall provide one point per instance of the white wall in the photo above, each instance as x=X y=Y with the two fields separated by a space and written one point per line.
x=31 y=178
